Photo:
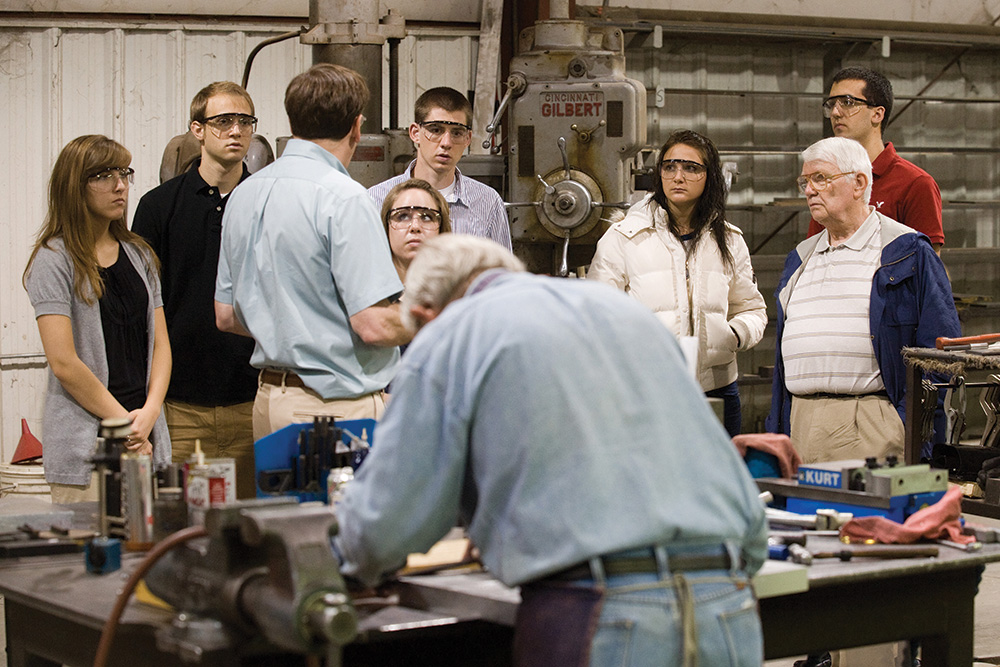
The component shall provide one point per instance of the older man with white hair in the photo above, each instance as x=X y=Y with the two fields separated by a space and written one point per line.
x=557 y=420
x=849 y=299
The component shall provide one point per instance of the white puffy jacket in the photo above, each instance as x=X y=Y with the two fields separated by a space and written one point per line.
x=716 y=304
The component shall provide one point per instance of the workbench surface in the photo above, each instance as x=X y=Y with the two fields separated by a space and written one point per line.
x=55 y=609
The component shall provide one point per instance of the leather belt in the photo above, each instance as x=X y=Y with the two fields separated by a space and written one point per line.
x=614 y=566
x=823 y=394
x=279 y=378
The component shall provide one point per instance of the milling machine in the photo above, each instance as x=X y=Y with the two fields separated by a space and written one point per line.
x=576 y=125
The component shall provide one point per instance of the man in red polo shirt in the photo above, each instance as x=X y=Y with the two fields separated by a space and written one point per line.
x=858 y=107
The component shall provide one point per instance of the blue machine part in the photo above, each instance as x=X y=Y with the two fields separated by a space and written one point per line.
x=777 y=552
x=827 y=478
x=761 y=464
x=900 y=507
x=103 y=555
x=276 y=451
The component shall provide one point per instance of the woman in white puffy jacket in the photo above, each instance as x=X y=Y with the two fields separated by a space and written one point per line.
x=675 y=253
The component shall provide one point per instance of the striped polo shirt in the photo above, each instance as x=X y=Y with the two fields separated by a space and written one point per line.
x=827 y=345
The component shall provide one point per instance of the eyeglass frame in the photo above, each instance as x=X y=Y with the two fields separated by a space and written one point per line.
x=124 y=174
x=803 y=181
x=423 y=224
x=448 y=125
x=688 y=176
x=207 y=122
x=838 y=100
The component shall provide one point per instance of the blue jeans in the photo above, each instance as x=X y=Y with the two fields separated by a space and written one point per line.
x=642 y=620
x=732 y=414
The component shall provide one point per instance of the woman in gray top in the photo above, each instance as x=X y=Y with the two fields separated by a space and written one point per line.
x=95 y=289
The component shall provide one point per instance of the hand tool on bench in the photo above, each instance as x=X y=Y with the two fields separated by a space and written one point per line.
x=806 y=558
x=823 y=519
x=966 y=342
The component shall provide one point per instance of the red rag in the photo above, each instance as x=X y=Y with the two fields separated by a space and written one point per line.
x=938 y=521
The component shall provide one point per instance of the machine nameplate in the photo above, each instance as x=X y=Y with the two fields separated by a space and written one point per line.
x=583 y=104
x=826 y=478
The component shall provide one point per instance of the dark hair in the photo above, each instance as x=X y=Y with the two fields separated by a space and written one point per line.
x=417 y=184
x=70 y=219
x=445 y=98
x=878 y=89
x=200 y=101
x=324 y=101
x=710 y=210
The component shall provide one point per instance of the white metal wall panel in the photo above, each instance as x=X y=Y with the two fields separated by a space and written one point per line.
x=430 y=57
x=29 y=116
x=134 y=83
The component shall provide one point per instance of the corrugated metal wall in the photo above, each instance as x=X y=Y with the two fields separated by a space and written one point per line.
x=767 y=98
x=134 y=83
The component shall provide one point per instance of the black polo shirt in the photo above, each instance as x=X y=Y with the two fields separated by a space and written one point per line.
x=182 y=220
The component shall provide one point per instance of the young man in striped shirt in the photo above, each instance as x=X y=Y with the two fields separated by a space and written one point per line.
x=849 y=299
x=441 y=131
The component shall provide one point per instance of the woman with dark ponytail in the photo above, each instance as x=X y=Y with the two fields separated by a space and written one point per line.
x=675 y=252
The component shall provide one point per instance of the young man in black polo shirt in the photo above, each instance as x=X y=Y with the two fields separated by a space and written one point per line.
x=213 y=385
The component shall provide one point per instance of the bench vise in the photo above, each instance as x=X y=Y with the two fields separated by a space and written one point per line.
x=264 y=578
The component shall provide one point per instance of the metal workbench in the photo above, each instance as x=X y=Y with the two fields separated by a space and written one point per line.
x=54 y=612
x=919 y=360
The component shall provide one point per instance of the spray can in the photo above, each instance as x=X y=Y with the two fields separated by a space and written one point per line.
x=137 y=500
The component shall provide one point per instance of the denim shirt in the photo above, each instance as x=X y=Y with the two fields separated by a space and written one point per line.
x=556 y=418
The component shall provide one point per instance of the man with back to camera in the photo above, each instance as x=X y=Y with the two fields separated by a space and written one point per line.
x=441 y=131
x=305 y=266
x=579 y=482
x=212 y=386
x=849 y=299
x=859 y=107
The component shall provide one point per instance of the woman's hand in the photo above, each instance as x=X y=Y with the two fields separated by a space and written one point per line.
x=139 y=447
x=143 y=420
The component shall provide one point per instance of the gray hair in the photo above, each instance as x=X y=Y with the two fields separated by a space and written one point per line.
x=444 y=264
x=847 y=154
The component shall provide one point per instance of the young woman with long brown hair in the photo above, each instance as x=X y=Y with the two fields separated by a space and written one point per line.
x=95 y=289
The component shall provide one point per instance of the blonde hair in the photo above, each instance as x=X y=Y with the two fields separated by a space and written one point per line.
x=417 y=184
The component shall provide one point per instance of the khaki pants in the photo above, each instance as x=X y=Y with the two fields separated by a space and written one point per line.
x=836 y=429
x=67 y=494
x=225 y=432
x=278 y=406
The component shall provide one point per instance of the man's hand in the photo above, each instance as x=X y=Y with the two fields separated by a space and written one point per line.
x=380 y=325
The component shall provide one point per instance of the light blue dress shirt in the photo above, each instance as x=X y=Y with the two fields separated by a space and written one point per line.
x=303 y=250
x=475 y=208
x=557 y=419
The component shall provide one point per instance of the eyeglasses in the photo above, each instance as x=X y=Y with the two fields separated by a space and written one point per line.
x=402 y=217
x=849 y=105
x=225 y=121
x=434 y=130
x=107 y=179
x=819 y=181
x=691 y=171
